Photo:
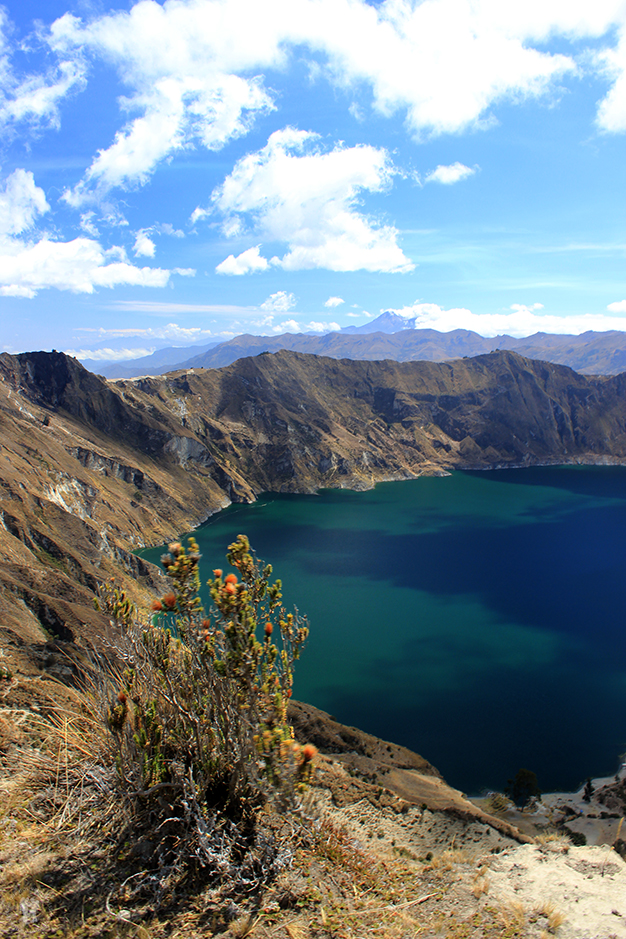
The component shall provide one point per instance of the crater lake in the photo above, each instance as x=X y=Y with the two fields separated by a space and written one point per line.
x=477 y=618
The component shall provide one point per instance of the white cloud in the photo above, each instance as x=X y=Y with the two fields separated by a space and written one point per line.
x=292 y=191
x=450 y=174
x=144 y=245
x=110 y=355
x=289 y=326
x=182 y=79
x=194 y=69
x=88 y=225
x=79 y=265
x=334 y=301
x=524 y=308
x=34 y=98
x=172 y=331
x=244 y=263
x=314 y=327
x=21 y=203
x=279 y=302
x=523 y=321
x=28 y=265
x=611 y=116
x=165 y=228
x=444 y=62
x=617 y=307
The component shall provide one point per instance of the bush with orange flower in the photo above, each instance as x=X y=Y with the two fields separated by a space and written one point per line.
x=198 y=710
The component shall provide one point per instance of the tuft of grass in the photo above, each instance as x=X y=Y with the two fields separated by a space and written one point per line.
x=552 y=914
x=480 y=886
x=554 y=841
x=497 y=803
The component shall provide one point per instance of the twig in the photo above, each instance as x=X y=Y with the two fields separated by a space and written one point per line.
x=391 y=908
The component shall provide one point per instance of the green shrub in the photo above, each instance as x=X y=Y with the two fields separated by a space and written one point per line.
x=197 y=709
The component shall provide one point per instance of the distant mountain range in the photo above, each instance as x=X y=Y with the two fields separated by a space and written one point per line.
x=389 y=336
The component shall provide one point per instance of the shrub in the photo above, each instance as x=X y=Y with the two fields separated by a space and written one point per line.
x=523 y=787
x=197 y=710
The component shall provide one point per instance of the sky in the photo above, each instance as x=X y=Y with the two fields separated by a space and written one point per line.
x=185 y=171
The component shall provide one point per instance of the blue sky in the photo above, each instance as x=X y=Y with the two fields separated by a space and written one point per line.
x=185 y=171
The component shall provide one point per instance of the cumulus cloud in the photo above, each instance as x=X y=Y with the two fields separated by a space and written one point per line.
x=31 y=261
x=443 y=63
x=450 y=174
x=279 y=302
x=522 y=321
x=187 y=93
x=245 y=263
x=144 y=245
x=80 y=265
x=21 y=203
x=334 y=301
x=611 y=116
x=289 y=326
x=618 y=307
x=293 y=191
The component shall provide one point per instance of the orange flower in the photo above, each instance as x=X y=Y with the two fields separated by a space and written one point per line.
x=308 y=752
x=157 y=606
x=268 y=629
x=169 y=600
x=230 y=579
x=230 y=589
x=122 y=698
x=217 y=572
x=206 y=623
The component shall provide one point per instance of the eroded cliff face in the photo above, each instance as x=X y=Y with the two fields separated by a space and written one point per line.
x=90 y=469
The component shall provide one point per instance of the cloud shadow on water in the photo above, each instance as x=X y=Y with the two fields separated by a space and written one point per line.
x=565 y=574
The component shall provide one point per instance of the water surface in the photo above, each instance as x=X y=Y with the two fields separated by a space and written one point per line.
x=478 y=618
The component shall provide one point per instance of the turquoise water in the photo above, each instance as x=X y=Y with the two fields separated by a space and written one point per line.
x=478 y=618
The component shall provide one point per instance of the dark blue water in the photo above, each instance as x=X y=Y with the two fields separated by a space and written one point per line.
x=479 y=618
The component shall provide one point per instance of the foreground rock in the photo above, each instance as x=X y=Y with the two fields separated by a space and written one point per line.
x=580 y=891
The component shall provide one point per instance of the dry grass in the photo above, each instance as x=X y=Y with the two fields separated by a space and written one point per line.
x=480 y=886
x=554 y=917
x=67 y=872
x=554 y=841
